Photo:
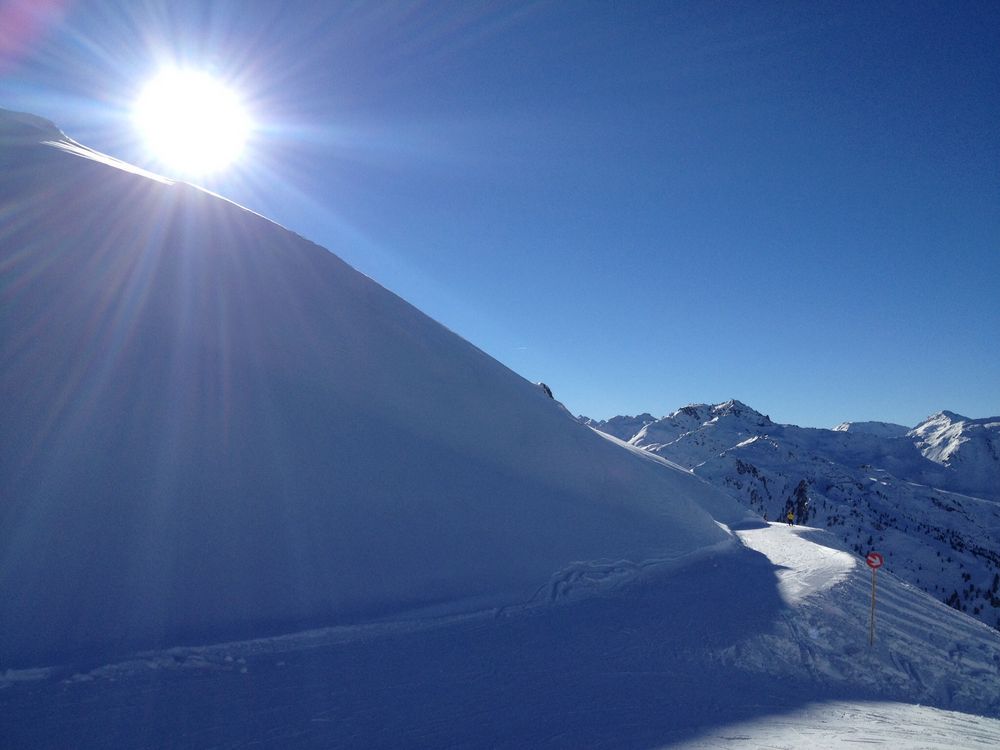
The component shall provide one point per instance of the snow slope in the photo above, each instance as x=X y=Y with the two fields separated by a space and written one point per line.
x=917 y=640
x=837 y=725
x=212 y=428
x=881 y=429
x=968 y=447
x=762 y=645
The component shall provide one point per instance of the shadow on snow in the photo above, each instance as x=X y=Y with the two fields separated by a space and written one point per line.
x=633 y=667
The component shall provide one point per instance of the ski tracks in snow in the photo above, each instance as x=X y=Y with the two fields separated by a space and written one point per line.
x=836 y=724
x=825 y=629
x=589 y=577
x=734 y=651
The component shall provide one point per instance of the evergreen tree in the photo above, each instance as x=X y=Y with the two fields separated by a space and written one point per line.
x=800 y=501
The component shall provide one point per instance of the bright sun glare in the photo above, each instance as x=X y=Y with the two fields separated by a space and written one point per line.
x=191 y=122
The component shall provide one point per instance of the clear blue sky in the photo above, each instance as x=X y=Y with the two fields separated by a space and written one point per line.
x=643 y=204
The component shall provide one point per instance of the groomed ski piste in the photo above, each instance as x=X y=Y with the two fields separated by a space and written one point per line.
x=758 y=644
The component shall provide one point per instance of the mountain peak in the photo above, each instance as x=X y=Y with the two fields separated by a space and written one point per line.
x=739 y=410
x=948 y=415
x=703 y=413
x=622 y=427
x=736 y=407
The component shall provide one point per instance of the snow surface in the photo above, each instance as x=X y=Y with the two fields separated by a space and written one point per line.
x=762 y=645
x=803 y=568
x=835 y=725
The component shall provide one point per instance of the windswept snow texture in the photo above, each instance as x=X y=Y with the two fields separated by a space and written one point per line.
x=874 y=485
x=212 y=428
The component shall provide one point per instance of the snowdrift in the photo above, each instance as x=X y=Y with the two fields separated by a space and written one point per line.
x=213 y=428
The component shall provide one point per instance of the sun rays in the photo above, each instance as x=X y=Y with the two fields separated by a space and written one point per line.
x=191 y=122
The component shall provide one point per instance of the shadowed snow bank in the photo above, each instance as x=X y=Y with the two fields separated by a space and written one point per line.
x=212 y=428
x=708 y=652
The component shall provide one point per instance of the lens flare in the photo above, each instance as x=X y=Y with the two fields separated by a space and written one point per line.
x=191 y=122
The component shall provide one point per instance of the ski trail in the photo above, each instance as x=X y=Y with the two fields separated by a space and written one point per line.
x=835 y=724
x=613 y=654
x=923 y=649
x=804 y=567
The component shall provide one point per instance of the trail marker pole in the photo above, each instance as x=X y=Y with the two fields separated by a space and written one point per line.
x=875 y=561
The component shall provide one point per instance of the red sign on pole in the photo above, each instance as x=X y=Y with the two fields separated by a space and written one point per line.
x=875 y=561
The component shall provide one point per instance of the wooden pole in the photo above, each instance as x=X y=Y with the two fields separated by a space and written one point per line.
x=871 y=626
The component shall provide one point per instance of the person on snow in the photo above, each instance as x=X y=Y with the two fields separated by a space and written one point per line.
x=790 y=518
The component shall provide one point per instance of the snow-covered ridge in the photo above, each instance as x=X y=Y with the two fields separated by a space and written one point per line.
x=212 y=428
x=21 y=127
x=968 y=445
x=879 y=429
x=940 y=436
x=20 y=131
x=622 y=427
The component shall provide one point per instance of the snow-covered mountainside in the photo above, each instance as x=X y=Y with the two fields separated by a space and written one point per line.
x=873 y=485
x=213 y=428
x=622 y=428
x=968 y=447
x=880 y=429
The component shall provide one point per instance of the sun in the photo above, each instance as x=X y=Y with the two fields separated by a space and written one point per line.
x=191 y=122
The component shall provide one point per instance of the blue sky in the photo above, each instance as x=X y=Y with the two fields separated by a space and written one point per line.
x=642 y=204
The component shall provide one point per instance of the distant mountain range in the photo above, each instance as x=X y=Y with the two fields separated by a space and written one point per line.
x=928 y=498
